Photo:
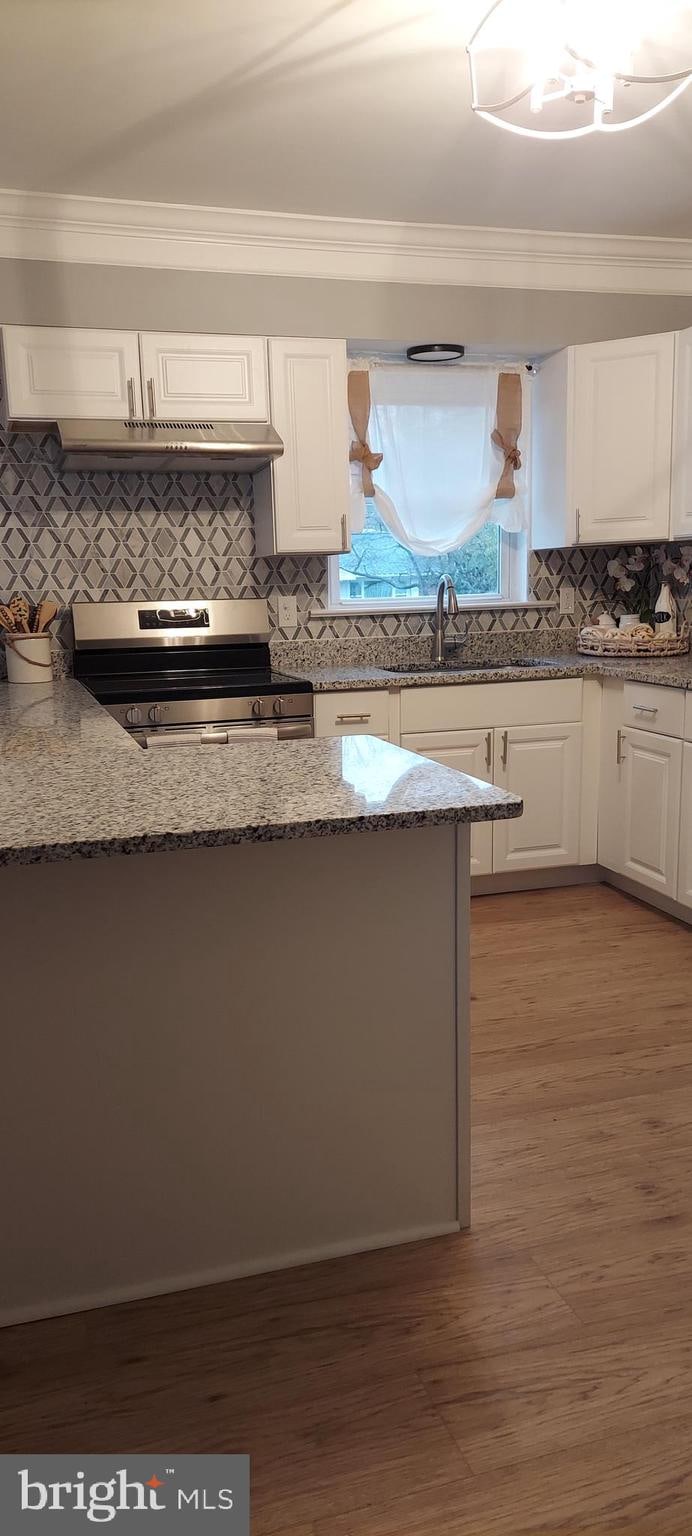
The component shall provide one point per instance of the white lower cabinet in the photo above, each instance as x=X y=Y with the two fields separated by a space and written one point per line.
x=468 y=752
x=647 y=810
x=685 y=872
x=542 y=763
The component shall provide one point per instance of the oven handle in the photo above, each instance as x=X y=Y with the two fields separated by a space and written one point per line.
x=222 y=736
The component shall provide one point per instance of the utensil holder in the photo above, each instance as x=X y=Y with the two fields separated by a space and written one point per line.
x=28 y=658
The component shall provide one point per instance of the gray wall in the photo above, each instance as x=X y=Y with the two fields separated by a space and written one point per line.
x=141 y=298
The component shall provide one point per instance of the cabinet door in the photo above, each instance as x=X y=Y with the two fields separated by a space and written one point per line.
x=681 y=493
x=649 y=820
x=310 y=482
x=52 y=372
x=685 y=877
x=542 y=763
x=621 y=450
x=468 y=752
x=204 y=378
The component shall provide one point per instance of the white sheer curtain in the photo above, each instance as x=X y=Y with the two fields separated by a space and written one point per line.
x=437 y=483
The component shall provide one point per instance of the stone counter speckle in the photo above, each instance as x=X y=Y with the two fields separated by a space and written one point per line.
x=73 y=785
x=668 y=672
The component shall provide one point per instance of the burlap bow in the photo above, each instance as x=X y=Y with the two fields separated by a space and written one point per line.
x=506 y=433
x=361 y=454
x=359 y=407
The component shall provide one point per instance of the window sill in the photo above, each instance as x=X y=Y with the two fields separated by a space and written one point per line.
x=477 y=605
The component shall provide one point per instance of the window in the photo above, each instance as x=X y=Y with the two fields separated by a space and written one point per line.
x=424 y=438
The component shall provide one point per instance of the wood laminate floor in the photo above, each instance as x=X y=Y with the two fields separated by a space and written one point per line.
x=532 y=1376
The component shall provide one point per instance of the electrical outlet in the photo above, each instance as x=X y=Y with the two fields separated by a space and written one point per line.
x=566 y=598
x=287 y=612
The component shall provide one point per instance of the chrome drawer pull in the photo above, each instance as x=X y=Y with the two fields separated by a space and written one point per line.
x=345 y=719
x=489 y=749
x=644 y=709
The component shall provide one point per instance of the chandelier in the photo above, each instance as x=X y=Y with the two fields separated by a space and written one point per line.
x=581 y=66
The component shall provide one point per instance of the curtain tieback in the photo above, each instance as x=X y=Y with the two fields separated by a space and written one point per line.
x=510 y=450
x=362 y=454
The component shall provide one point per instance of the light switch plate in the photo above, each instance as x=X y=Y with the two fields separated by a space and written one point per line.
x=566 y=598
x=287 y=612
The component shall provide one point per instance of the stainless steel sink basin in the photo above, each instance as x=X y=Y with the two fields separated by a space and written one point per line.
x=463 y=666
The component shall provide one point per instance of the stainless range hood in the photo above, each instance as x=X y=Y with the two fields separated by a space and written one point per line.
x=168 y=445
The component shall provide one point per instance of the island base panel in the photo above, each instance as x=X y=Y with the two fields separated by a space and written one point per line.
x=226 y=1060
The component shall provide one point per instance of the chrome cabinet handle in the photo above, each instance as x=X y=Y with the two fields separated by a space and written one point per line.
x=344 y=533
x=644 y=709
x=619 y=752
x=131 y=398
x=151 y=392
x=344 y=719
x=505 y=748
x=488 y=749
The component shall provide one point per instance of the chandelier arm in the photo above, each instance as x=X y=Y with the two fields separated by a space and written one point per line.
x=501 y=106
x=680 y=74
x=482 y=23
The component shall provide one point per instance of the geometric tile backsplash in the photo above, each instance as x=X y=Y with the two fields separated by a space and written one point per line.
x=71 y=534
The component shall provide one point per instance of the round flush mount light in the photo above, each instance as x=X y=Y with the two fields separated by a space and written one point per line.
x=562 y=69
x=436 y=352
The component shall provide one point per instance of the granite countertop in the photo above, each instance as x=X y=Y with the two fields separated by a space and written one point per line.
x=74 y=785
x=669 y=672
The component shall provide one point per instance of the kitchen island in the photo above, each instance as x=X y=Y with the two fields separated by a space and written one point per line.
x=235 y=986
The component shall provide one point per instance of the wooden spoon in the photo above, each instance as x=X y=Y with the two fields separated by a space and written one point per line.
x=45 y=613
x=7 y=619
x=20 y=610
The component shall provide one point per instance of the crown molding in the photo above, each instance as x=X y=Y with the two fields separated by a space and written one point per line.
x=38 y=226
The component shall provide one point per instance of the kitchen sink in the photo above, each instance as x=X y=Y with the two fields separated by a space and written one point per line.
x=464 y=666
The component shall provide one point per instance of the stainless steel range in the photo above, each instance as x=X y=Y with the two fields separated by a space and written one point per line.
x=188 y=672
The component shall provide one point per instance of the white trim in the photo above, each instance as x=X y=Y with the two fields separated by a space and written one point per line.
x=423 y=605
x=43 y=226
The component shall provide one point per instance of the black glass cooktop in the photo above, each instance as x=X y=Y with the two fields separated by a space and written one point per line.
x=123 y=676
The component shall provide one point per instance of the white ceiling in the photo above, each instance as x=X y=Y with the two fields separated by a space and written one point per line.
x=352 y=107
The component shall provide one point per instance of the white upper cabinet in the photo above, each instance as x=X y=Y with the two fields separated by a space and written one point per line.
x=602 y=443
x=623 y=404
x=681 y=492
x=204 y=378
x=302 y=500
x=52 y=372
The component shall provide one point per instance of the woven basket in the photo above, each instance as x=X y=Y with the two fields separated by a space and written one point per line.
x=665 y=645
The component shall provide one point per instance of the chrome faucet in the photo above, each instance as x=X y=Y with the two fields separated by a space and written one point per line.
x=438 y=646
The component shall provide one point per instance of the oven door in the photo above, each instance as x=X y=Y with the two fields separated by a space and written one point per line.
x=224 y=735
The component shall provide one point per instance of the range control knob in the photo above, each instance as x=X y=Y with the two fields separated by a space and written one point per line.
x=257 y=708
x=133 y=715
x=278 y=706
x=155 y=714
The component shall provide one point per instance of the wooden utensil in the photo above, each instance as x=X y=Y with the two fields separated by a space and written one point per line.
x=7 y=619
x=46 y=611
x=20 y=610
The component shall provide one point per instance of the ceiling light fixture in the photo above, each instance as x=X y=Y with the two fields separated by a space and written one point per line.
x=580 y=52
x=436 y=352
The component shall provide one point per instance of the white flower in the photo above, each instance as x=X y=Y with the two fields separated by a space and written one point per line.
x=626 y=583
x=681 y=575
x=616 y=569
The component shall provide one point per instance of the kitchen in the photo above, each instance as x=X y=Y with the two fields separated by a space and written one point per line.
x=317 y=589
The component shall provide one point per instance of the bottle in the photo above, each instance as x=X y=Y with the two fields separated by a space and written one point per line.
x=665 y=622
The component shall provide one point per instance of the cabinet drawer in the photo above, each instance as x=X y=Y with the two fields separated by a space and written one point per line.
x=449 y=707
x=646 y=707
x=352 y=714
